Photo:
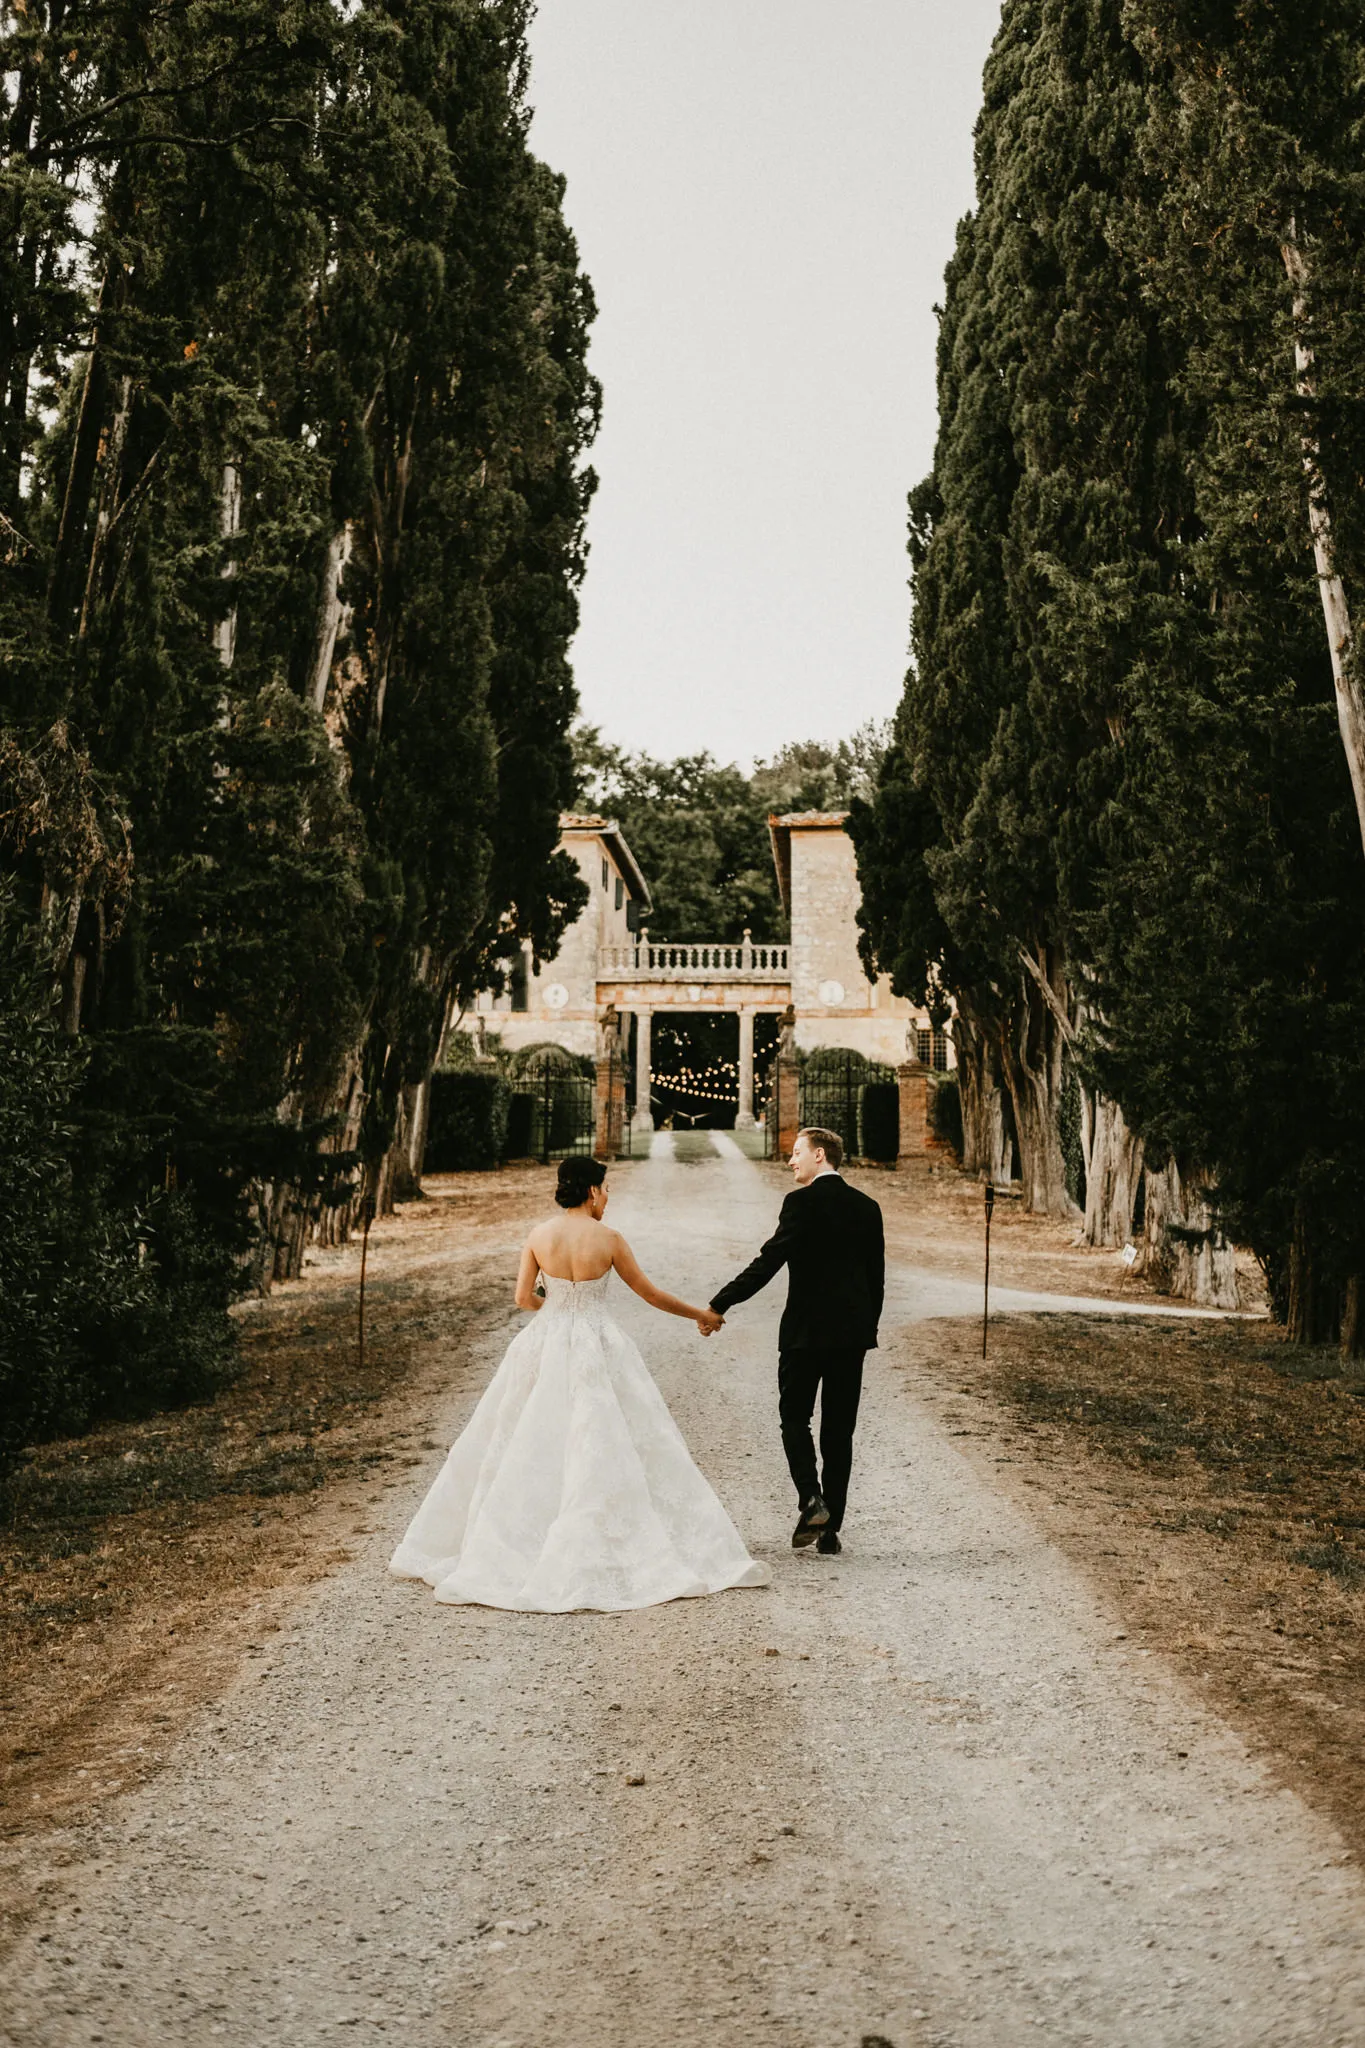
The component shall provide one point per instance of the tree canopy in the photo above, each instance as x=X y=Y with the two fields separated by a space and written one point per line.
x=1119 y=823
x=700 y=829
x=294 y=407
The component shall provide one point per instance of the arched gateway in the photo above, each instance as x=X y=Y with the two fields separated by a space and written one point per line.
x=608 y=961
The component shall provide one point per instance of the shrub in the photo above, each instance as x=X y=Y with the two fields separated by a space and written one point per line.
x=834 y=1063
x=105 y=1309
x=945 y=1111
x=467 y=1124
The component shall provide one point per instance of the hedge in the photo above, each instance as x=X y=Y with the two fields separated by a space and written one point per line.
x=467 y=1126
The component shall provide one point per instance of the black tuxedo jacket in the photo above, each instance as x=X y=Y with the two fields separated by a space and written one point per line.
x=829 y=1237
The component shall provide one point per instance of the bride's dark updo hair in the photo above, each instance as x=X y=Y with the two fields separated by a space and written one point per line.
x=577 y=1179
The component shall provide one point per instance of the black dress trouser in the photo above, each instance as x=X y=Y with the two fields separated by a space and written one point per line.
x=838 y=1377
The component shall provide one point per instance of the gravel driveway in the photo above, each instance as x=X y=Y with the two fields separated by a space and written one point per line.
x=924 y=1792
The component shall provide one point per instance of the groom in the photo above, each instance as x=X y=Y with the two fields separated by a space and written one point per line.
x=829 y=1237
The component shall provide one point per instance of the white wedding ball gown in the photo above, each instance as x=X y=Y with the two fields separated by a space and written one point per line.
x=571 y=1486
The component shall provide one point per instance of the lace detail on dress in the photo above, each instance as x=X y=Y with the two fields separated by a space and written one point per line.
x=585 y=1299
x=572 y=1487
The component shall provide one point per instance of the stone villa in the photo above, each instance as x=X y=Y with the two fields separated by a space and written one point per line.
x=608 y=957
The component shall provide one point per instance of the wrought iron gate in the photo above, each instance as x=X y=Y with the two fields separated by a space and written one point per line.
x=841 y=1091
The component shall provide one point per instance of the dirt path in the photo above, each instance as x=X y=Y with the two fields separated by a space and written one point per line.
x=925 y=1792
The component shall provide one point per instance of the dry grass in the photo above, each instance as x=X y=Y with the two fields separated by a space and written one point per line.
x=1209 y=1477
x=936 y=1220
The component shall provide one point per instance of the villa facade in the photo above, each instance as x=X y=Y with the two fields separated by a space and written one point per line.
x=608 y=960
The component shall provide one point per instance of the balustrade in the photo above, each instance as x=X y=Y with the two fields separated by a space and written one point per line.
x=702 y=960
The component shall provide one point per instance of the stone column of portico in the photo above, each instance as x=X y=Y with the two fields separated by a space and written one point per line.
x=744 y=1118
x=643 y=1119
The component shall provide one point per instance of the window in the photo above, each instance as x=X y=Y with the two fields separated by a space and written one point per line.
x=605 y=873
x=518 y=980
x=933 y=1048
x=620 y=892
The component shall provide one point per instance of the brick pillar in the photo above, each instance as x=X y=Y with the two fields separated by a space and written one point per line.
x=609 y=1105
x=912 y=1079
x=788 y=1106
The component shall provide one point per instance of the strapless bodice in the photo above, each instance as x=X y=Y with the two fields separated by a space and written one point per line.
x=575 y=1297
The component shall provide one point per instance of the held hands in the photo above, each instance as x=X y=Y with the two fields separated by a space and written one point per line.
x=708 y=1322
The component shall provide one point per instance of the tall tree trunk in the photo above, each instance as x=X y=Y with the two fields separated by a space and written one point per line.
x=333 y=616
x=987 y=1148
x=1032 y=1045
x=1113 y=1172
x=1000 y=1158
x=109 y=462
x=85 y=446
x=409 y=1146
x=229 y=526
x=974 y=1081
x=1187 y=1254
x=1335 y=609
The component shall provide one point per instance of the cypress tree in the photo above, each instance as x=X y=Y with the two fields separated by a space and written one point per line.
x=269 y=810
x=1225 y=926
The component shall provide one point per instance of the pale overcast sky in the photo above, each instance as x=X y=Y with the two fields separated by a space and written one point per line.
x=764 y=194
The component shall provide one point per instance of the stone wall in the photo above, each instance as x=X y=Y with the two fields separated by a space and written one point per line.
x=572 y=1022
x=835 y=1002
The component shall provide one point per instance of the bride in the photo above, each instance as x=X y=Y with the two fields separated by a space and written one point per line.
x=571 y=1485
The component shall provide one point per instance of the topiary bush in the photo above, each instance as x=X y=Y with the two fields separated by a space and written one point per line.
x=834 y=1062
x=467 y=1123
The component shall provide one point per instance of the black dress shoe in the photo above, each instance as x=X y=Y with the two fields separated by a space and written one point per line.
x=828 y=1544
x=813 y=1517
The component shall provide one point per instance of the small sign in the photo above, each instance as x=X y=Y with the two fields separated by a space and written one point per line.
x=1130 y=1255
x=555 y=996
x=831 y=994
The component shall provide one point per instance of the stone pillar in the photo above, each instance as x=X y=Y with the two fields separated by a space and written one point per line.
x=744 y=1116
x=643 y=1120
x=609 y=1095
x=916 y=1139
x=788 y=1107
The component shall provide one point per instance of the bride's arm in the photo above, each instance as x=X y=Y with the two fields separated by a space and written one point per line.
x=528 y=1272
x=628 y=1266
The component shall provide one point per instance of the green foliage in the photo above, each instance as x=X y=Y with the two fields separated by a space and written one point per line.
x=102 y=1311
x=1116 y=753
x=836 y=1063
x=467 y=1127
x=542 y=1056
x=281 y=289
x=700 y=830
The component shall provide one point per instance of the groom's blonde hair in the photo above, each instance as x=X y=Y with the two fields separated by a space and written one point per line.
x=830 y=1143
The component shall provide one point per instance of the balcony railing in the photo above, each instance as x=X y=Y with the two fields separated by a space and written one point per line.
x=644 y=961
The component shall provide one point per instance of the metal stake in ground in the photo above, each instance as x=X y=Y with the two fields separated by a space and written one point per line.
x=366 y=1219
x=986 y=1296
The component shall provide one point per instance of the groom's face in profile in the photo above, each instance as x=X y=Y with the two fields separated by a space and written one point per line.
x=806 y=1160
